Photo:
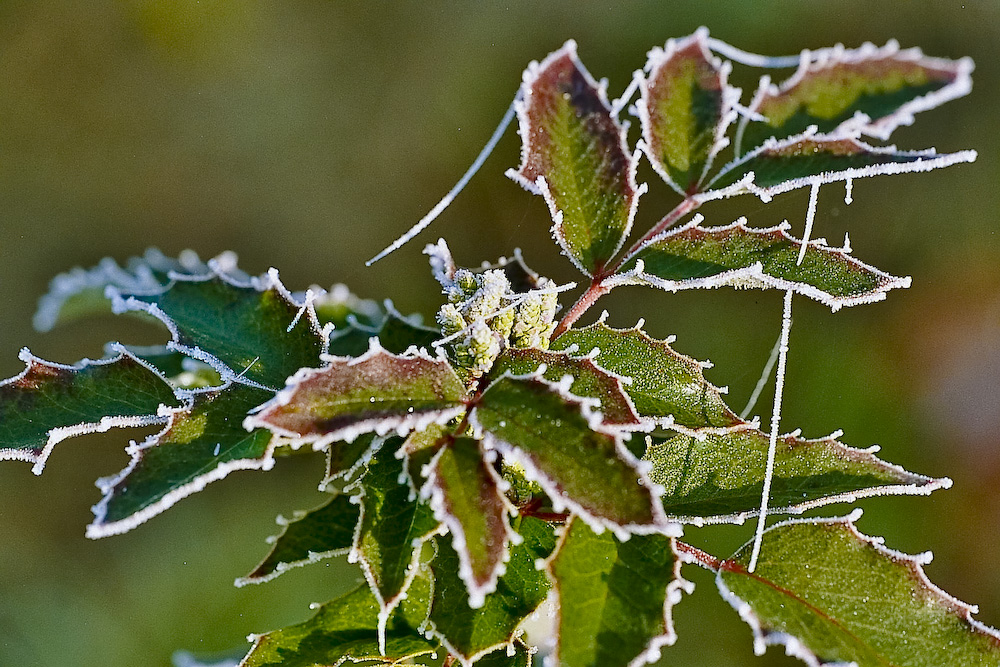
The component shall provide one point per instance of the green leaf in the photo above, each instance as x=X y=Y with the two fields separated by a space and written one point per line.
x=394 y=524
x=814 y=159
x=201 y=443
x=471 y=633
x=615 y=598
x=589 y=380
x=378 y=391
x=347 y=629
x=342 y=308
x=254 y=333
x=685 y=108
x=832 y=595
x=720 y=478
x=574 y=154
x=309 y=537
x=869 y=90
x=521 y=657
x=465 y=494
x=559 y=441
x=663 y=384
x=47 y=403
x=394 y=332
x=345 y=459
x=693 y=257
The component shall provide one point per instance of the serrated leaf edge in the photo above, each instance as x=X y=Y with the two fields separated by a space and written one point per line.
x=793 y=646
x=753 y=276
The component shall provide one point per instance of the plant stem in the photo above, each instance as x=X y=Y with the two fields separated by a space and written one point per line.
x=690 y=554
x=582 y=305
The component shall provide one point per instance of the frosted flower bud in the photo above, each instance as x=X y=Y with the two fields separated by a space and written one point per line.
x=442 y=264
x=450 y=319
x=479 y=349
x=488 y=299
x=503 y=323
x=463 y=287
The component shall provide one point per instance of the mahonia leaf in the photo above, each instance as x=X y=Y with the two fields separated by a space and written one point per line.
x=467 y=496
x=47 y=403
x=308 y=537
x=662 y=383
x=344 y=459
x=82 y=292
x=202 y=442
x=471 y=633
x=831 y=595
x=685 y=108
x=589 y=380
x=615 y=597
x=574 y=154
x=393 y=526
x=719 y=478
x=395 y=333
x=520 y=657
x=342 y=308
x=347 y=630
x=813 y=159
x=560 y=442
x=870 y=90
x=692 y=257
x=253 y=332
x=378 y=391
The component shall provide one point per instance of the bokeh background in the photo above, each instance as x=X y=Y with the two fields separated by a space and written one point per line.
x=306 y=135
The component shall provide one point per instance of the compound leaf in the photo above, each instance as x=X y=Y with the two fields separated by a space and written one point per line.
x=720 y=477
x=559 y=441
x=663 y=384
x=378 y=391
x=685 y=108
x=615 y=598
x=692 y=257
x=834 y=596
x=465 y=494
x=346 y=630
x=47 y=403
x=574 y=154
x=307 y=538
x=869 y=90
x=471 y=633
x=201 y=443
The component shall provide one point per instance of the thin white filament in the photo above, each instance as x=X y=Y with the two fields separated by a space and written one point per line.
x=753 y=59
x=627 y=95
x=810 y=216
x=448 y=198
x=762 y=382
x=779 y=385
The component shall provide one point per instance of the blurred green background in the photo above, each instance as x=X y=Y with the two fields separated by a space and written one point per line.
x=306 y=135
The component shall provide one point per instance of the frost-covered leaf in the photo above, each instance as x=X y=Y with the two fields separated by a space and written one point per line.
x=692 y=257
x=811 y=159
x=47 y=403
x=378 y=391
x=831 y=595
x=180 y=370
x=341 y=308
x=201 y=443
x=663 y=382
x=470 y=633
x=869 y=89
x=307 y=538
x=394 y=523
x=574 y=154
x=561 y=444
x=466 y=496
x=344 y=459
x=589 y=380
x=346 y=630
x=615 y=598
x=685 y=108
x=254 y=332
x=720 y=478
x=394 y=332
x=82 y=292
x=520 y=657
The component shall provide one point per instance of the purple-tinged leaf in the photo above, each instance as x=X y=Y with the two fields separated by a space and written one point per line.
x=695 y=257
x=202 y=442
x=833 y=596
x=467 y=497
x=813 y=159
x=589 y=380
x=685 y=108
x=47 y=403
x=869 y=90
x=574 y=154
x=378 y=392
x=560 y=442
x=615 y=597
